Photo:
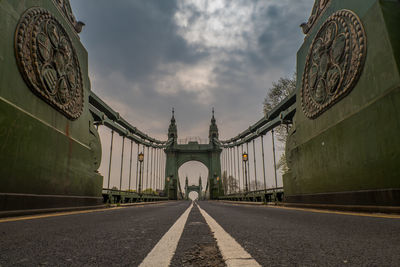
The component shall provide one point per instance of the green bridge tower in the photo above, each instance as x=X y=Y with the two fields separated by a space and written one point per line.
x=179 y=154
x=193 y=188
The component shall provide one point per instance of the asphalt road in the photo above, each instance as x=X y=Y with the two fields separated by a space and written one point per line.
x=120 y=237
x=197 y=246
x=283 y=237
x=272 y=236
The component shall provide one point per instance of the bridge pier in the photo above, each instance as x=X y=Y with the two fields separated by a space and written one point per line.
x=344 y=146
x=49 y=148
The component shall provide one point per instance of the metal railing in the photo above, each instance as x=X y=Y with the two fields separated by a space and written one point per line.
x=191 y=139
x=264 y=195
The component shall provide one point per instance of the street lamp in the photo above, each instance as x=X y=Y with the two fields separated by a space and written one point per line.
x=245 y=158
x=218 y=185
x=140 y=159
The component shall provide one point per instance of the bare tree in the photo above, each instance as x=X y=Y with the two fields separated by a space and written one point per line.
x=225 y=182
x=230 y=184
x=279 y=91
x=233 y=184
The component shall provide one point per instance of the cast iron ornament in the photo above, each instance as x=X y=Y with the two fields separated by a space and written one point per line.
x=48 y=62
x=334 y=62
x=66 y=9
x=318 y=9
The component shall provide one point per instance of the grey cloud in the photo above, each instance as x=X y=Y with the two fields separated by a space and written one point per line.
x=281 y=36
x=134 y=38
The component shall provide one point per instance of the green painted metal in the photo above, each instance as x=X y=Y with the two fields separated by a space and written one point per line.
x=111 y=196
x=193 y=188
x=47 y=159
x=105 y=115
x=350 y=154
x=178 y=154
x=266 y=195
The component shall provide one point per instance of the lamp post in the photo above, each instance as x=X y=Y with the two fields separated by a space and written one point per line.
x=140 y=159
x=245 y=158
x=218 y=185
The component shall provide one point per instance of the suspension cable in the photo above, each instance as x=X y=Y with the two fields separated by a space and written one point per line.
x=248 y=166
x=244 y=175
x=263 y=159
x=122 y=164
x=156 y=170
x=151 y=168
x=137 y=168
x=130 y=168
x=109 y=165
x=255 y=164
x=273 y=149
x=145 y=181
x=234 y=168
x=238 y=169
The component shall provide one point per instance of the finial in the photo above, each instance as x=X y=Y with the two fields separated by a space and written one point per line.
x=173 y=117
x=213 y=118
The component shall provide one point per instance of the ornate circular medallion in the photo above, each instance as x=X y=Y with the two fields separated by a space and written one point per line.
x=48 y=62
x=334 y=62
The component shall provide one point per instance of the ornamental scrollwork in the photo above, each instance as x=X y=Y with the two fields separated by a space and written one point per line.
x=66 y=9
x=48 y=61
x=318 y=9
x=334 y=62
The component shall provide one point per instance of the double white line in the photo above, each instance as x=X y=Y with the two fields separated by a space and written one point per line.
x=232 y=253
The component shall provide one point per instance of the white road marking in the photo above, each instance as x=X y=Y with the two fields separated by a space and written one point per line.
x=161 y=255
x=233 y=254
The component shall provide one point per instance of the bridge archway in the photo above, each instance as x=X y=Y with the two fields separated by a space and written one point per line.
x=193 y=178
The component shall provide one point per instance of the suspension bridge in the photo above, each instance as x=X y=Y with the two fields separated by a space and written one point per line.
x=336 y=204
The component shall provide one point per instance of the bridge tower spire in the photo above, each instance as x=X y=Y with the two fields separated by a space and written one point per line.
x=186 y=188
x=213 y=132
x=172 y=129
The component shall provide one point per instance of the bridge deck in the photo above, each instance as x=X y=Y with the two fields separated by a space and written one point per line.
x=269 y=236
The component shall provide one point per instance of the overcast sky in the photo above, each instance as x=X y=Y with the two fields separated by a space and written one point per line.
x=147 y=56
